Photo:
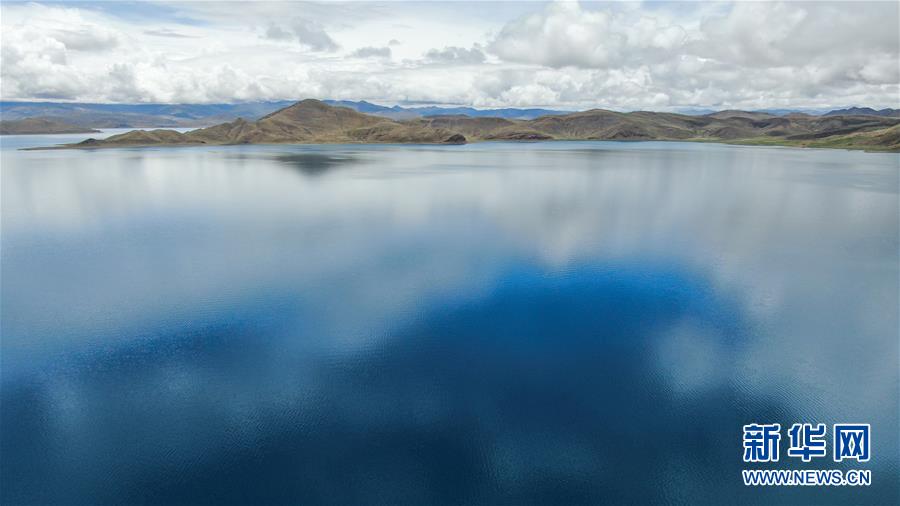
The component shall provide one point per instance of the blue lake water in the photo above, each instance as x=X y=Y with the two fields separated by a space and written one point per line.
x=497 y=323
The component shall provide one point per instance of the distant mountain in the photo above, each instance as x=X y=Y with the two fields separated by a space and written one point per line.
x=785 y=112
x=201 y=115
x=138 y=115
x=864 y=111
x=397 y=112
x=693 y=111
x=41 y=126
x=313 y=121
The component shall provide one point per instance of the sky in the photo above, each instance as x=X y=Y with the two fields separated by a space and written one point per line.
x=564 y=55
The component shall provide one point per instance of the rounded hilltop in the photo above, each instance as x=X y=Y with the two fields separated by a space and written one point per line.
x=312 y=121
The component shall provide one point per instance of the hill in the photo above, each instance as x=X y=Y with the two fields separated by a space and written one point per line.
x=40 y=126
x=883 y=139
x=723 y=126
x=864 y=111
x=313 y=121
x=308 y=122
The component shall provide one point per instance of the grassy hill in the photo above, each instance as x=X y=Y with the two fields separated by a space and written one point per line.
x=313 y=121
x=40 y=126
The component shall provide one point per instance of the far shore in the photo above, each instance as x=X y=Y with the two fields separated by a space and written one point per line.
x=762 y=143
x=315 y=122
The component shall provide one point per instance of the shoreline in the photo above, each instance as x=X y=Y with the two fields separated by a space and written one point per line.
x=736 y=142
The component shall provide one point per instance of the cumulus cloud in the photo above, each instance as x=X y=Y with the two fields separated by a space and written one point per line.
x=616 y=55
x=35 y=65
x=567 y=35
x=748 y=53
x=562 y=35
x=86 y=38
x=455 y=55
x=770 y=34
x=276 y=32
x=372 y=52
x=123 y=84
x=308 y=33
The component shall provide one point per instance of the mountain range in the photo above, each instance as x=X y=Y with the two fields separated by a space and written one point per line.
x=864 y=111
x=313 y=121
x=397 y=112
x=137 y=115
x=203 y=115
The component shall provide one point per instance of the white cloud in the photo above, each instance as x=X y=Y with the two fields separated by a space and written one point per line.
x=456 y=55
x=372 y=52
x=755 y=53
x=615 y=55
x=86 y=38
x=562 y=35
x=308 y=33
x=35 y=65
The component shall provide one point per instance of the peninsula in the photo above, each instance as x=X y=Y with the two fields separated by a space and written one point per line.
x=315 y=122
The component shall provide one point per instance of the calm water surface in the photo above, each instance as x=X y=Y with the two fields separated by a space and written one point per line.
x=499 y=323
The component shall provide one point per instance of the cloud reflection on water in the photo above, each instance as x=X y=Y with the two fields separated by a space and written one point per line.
x=499 y=323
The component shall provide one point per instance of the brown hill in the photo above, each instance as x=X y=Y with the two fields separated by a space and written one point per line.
x=312 y=121
x=306 y=122
x=37 y=126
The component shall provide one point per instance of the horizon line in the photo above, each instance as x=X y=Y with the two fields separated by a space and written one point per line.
x=444 y=105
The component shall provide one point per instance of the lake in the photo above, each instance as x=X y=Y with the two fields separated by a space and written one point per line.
x=494 y=323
